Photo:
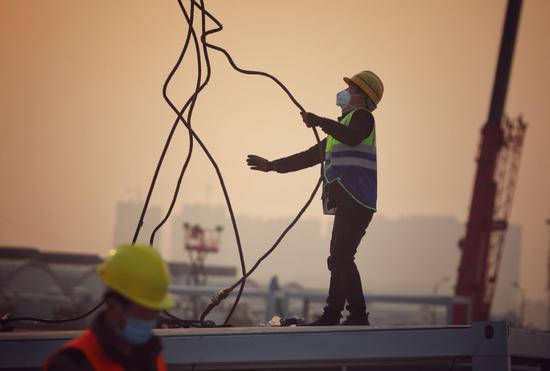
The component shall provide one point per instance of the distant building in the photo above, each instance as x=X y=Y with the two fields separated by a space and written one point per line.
x=401 y=256
x=507 y=296
x=126 y=221
x=536 y=315
x=412 y=254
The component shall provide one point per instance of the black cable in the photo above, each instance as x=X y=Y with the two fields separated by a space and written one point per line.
x=242 y=281
x=220 y=177
x=224 y=293
x=190 y=32
x=190 y=103
x=6 y=321
x=208 y=154
x=192 y=135
x=251 y=72
x=187 y=323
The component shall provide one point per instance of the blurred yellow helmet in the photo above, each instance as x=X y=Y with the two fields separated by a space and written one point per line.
x=369 y=83
x=138 y=273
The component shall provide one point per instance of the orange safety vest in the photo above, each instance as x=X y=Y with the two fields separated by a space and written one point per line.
x=87 y=343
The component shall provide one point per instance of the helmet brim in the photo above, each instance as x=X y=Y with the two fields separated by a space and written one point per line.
x=348 y=81
x=166 y=302
x=364 y=88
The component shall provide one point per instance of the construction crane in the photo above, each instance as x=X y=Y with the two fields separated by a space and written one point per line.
x=497 y=170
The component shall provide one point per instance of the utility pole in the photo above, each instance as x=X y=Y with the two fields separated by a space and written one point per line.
x=522 y=304
x=435 y=292
x=199 y=242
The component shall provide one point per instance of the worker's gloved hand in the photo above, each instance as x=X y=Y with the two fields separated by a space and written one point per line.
x=310 y=119
x=259 y=163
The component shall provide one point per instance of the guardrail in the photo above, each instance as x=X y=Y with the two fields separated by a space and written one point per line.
x=278 y=300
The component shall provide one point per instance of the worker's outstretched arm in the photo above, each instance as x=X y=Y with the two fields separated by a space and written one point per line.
x=360 y=127
x=298 y=161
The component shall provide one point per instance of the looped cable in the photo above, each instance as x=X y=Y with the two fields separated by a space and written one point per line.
x=193 y=136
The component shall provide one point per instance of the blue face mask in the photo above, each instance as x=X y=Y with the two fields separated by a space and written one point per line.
x=343 y=98
x=136 y=331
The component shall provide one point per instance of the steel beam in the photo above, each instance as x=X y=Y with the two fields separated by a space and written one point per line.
x=486 y=345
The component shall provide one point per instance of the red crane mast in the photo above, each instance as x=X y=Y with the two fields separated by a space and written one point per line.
x=498 y=164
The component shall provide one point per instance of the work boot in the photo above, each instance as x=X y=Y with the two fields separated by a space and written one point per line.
x=357 y=321
x=324 y=320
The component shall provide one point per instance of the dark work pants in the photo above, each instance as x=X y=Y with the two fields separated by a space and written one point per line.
x=350 y=223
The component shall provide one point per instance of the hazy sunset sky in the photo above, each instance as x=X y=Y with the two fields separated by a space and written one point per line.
x=83 y=120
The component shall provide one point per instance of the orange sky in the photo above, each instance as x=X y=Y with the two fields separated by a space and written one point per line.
x=83 y=120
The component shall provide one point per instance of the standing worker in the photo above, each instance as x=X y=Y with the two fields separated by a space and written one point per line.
x=349 y=192
x=121 y=337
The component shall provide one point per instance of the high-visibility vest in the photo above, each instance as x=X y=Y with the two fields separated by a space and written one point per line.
x=87 y=343
x=354 y=168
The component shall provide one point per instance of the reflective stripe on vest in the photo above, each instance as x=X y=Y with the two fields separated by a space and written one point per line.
x=353 y=161
x=355 y=168
x=87 y=343
x=362 y=148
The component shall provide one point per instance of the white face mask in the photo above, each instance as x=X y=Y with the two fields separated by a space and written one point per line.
x=343 y=98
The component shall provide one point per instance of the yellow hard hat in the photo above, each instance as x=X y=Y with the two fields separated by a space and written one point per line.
x=138 y=273
x=369 y=83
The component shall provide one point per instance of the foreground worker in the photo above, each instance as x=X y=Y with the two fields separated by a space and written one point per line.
x=349 y=192
x=121 y=337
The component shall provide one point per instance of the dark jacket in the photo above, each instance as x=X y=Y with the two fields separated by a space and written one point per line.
x=142 y=358
x=360 y=128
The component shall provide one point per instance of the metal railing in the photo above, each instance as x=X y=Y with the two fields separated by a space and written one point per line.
x=277 y=301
